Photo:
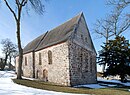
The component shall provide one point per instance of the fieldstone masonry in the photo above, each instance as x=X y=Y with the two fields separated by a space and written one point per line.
x=82 y=65
x=58 y=71
x=28 y=68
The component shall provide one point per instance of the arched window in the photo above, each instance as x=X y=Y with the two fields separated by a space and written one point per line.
x=40 y=62
x=49 y=57
x=25 y=61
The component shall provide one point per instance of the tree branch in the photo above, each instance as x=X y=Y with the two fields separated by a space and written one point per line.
x=100 y=33
x=124 y=28
x=11 y=10
x=23 y=2
x=17 y=3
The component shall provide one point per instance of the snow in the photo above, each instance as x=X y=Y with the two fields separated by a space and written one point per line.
x=7 y=87
x=104 y=85
x=28 y=78
x=113 y=81
x=95 y=86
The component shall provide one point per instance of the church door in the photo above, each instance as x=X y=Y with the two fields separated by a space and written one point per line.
x=45 y=75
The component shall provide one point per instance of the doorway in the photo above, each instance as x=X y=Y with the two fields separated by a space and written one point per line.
x=45 y=75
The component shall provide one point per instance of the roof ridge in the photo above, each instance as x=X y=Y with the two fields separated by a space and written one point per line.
x=80 y=14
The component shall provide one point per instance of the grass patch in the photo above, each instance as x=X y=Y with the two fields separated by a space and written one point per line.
x=53 y=87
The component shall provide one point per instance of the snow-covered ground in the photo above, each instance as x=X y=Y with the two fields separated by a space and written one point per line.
x=7 y=87
x=113 y=81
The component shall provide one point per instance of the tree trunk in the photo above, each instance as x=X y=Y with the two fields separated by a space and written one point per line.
x=6 y=57
x=103 y=68
x=2 y=64
x=122 y=76
x=10 y=62
x=19 y=73
x=104 y=65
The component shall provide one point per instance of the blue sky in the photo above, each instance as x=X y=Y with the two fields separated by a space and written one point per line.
x=56 y=13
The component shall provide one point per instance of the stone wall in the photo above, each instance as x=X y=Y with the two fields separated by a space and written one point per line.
x=82 y=56
x=82 y=36
x=27 y=66
x=27 y=69
x=58 y=70
x=82 y=65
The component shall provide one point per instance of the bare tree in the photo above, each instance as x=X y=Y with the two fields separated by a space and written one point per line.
x=103 y=29
x=19 y=4
x=8 y=49
x=12 y=56
x=118 y=3
x=118 y=19
x=116 y=22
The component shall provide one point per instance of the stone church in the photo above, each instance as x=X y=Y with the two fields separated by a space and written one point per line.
x=64 y=55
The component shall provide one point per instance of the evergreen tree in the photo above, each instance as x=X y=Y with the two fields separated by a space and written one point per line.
x=116 y=55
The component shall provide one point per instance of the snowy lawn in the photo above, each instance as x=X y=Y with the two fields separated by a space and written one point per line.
x=81 y=89
x=8 y=87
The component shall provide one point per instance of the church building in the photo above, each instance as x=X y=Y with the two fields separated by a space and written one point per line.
x=64 y=55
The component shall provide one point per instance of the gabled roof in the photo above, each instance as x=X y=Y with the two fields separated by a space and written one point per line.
x=55 y=36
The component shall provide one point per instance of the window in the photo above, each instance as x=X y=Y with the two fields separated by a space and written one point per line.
x=40 y=61
x=25 y=61
x=82 y=37
x=86 y=40
x=49 y=57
